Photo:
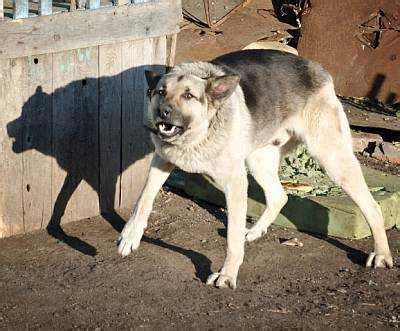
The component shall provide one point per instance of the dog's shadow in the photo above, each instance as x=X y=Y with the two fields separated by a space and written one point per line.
x=74 y=125
x=201 y=263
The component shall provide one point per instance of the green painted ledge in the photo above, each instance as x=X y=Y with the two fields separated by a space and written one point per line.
x=335 y=216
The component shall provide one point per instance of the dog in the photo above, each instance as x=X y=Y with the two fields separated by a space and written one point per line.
x=241 y=113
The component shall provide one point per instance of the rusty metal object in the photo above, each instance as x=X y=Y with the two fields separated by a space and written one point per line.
x=358 y=42
x=371 y=30
x=210 y=13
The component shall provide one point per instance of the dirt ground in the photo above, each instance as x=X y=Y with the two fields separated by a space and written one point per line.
x=47 y=284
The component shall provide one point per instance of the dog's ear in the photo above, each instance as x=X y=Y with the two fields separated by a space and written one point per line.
x=222 y=87
x=152 y=78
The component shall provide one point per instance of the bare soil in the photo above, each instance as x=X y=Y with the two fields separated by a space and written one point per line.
x=380 y=165
x=47 y=284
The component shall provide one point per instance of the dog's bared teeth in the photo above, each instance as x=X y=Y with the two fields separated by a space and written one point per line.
x=167 y=129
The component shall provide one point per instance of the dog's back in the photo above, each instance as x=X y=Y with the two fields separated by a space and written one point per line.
x=275 y=84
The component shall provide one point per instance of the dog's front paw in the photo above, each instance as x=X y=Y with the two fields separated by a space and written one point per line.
x=221 y=280
x=129 y=241
x=380 y=260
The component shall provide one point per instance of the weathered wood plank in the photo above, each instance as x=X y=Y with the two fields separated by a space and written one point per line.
x=93 y=4
x=45 y=7
x=136 y=57
x=107 y=25
x=11 y=101
x=121 y=2
x=171 y=49
x=72 y=5
x=1 y=9
x=4 y=76
x=110 y=125
x=20 y=9
x=64 y=174
x=75 y=135
x=86 y=148
x=37 y=141
x=136 y=146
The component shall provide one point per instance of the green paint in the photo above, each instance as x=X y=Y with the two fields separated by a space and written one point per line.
x=84 y=54
x=66 y=67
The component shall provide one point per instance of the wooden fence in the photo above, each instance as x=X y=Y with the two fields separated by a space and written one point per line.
x=72 y=97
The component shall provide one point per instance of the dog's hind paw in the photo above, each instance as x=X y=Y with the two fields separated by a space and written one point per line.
x=379 y=260
x=254 y=233
x=221 y=281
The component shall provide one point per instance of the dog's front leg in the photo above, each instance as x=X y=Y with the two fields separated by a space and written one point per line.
x=236 y=199
x=133 y=229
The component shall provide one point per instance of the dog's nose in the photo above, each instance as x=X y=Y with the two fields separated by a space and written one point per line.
x=164 y=113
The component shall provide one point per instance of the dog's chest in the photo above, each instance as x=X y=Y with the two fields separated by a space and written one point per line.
x=188 y=159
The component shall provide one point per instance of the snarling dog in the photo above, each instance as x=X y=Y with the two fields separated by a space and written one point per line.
x=238 y=114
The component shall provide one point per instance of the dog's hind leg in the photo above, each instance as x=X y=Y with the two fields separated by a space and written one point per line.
x=328 y=138
x=263 y=164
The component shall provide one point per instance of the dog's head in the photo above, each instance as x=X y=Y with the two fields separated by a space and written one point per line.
x=182 y=105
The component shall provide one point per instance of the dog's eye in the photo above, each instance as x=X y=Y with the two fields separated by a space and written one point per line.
x=187 y=95
x=149 y=92
x=162 y=93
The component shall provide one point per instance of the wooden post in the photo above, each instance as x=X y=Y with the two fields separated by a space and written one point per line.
x=20 y=9
x=93 y=4
x=1 y=9
x=45 y=7
x=72 y=5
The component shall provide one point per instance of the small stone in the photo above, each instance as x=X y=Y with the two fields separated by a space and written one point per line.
x=293 y=242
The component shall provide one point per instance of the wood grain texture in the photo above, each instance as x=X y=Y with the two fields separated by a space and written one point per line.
x=135 y=149
x=75 y=135
x=64 y=181
x=171 y=49
x=1 y=9
x=20 y=9
x=45 y=7
x=11 y=101
x=150 y=54
x=93 y=4
x=122 y=2
x=110 y=66
x=78 y=29
x=37 y=141
x=86 y=148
